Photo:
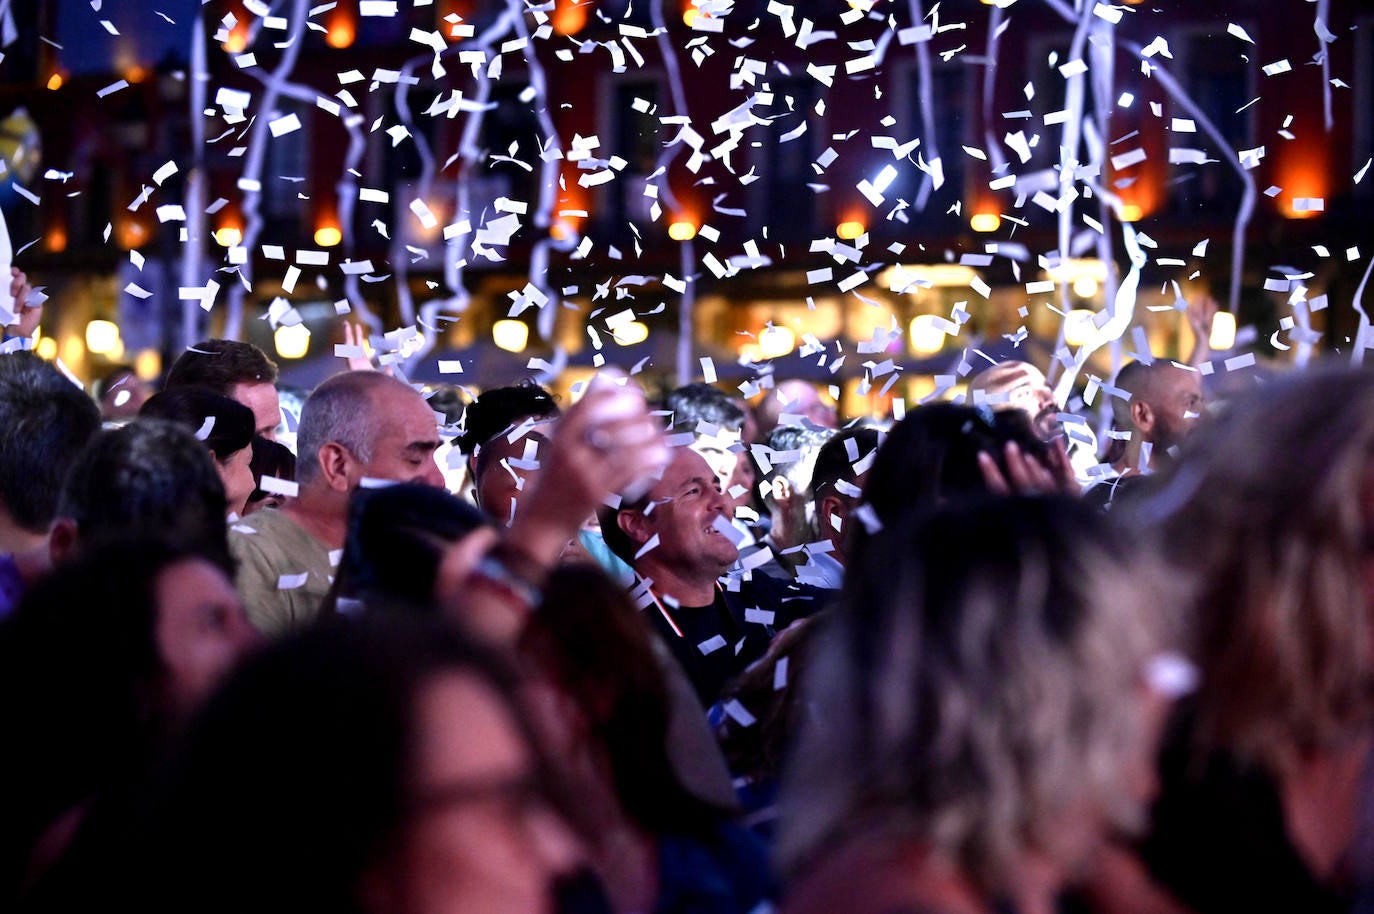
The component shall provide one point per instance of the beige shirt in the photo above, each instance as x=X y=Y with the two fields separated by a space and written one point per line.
x=283 y=574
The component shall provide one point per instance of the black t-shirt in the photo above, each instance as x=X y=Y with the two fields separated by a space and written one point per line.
x=720 y=640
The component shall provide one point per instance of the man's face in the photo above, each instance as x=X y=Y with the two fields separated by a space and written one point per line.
x=1176 y=396
x=686 y=503
x=509 y=472
x=1028 y=391
x=403 y=450
x=261 y=398
x=731 y=467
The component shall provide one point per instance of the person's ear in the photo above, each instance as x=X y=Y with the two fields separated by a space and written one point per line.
x=635 y=525
x=62 y=540
x=1142 y=415
x=337 y=466
x=832 y=506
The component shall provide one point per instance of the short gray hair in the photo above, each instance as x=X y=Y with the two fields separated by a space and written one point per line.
x=339 y=411
x=982 y=677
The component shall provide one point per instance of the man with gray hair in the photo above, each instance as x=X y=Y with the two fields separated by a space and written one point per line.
x=354 y=427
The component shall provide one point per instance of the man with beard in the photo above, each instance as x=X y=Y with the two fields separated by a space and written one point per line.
x=1018 y=385
x=1163 y=404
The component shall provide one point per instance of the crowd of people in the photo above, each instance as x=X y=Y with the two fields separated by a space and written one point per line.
x=697 y=655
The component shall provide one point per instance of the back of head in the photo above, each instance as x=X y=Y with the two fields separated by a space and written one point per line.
x=843 y=458
x=150 y=475
x=501 y=407
x=1269 y=509
x=980 y=683
x=221 y=364
x=1133 y=378
x=296 y=781
x=225 y=425
x=271 y=458
x=396 y=538
x=696 y=403
x=47 y=420
x=81 y=687
x=931 y=457
x=339 y=410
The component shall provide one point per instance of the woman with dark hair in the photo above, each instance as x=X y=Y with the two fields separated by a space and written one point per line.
x=1269 y=511
x=99 y=665
x=226 y=427
x=397 y=537
x=371 y=766
x=605 y=712
x=271 y=460
x=983 y=711
x=944 y=452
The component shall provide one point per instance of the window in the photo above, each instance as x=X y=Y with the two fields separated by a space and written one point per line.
x=633 y=133
x=781 y=198
x=1221 y=84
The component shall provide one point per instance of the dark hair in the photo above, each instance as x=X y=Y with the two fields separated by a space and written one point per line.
x=297 y=777
x=703 y=403
x=931 y=456
x=148 y=475
x=47 y=420
x=270 y=458
x=220 y=364
x=230 y=431
x=110 y=379
x=596 y=647
x=981 y=675
x=81 y=701
x=501 y=407
x=395 y=542
x=834 y=464
x=486 y=452
x=620 y=544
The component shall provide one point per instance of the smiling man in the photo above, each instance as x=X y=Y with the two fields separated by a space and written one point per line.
x=357 y=426
x=679 y=542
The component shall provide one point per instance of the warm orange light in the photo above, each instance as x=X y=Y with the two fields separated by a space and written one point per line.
x=135 y=73
x=569 y=16
x=443 y=13
x=849 y=230
x=55 y=81
x=341 y=29
x=563 y=230
x=237 y=42
x=326 y=236
x=56 y=239
x=1131 y=212
x=682 y=231
x=228 y=236
x=130 y=233
x=985 y=222
x=690 y=12
x=1302 y=172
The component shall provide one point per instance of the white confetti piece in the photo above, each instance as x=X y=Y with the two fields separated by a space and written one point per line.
x=1237 y=31
x=276 y=486
x=113 y=88
x=283 y=125
x=292 y=581
x=711 y=645
x=737 y=712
